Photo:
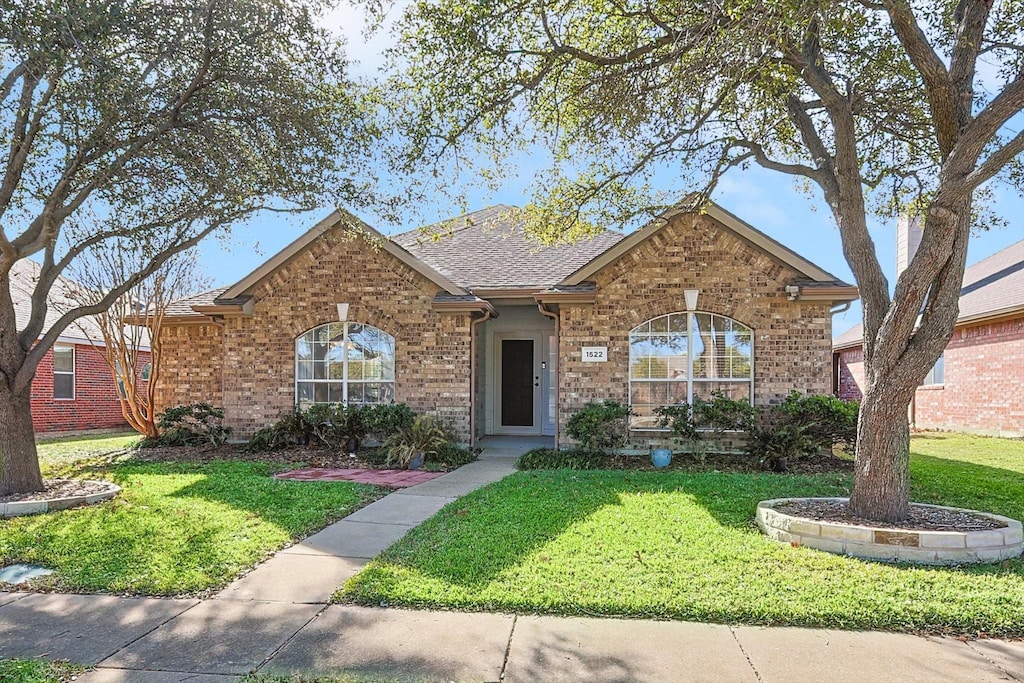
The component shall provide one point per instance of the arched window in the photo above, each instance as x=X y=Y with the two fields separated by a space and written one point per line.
x=681 y=356
x=345 y=363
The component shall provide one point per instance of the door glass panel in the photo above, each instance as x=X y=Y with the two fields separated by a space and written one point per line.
x=517 y=382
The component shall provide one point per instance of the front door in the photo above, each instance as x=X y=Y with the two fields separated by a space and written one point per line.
x=519 y=385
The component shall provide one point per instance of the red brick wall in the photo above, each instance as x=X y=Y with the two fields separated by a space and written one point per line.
x=982 y=388
x=95 y=405
x=851 y=373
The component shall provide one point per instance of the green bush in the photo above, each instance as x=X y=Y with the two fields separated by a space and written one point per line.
x=691 y=424
x=452 y=456
x=551 y=459
x=776 y=433
x=384 y=419
x=333 y=424
x=291 y=429
x=828 y=420
x=195 y=424
x=600 y=426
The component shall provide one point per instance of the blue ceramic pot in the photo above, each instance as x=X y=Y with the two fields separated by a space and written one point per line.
x=416 y=462
x=661 y=457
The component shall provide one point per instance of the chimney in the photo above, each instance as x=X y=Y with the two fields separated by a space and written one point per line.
x=908 y=238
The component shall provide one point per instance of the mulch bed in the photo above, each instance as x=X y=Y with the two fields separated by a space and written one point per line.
x=720 y=462
x=395 y=479
x=921 y=518
x=59 y=488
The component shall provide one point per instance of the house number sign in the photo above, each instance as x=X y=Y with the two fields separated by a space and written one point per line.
x=595 y=354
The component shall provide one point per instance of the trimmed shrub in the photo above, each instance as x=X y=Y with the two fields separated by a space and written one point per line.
x=195 y=424
x=551 y=459
x=600 y=426
x=828 y=420
x=384 y=419
x=452 y=456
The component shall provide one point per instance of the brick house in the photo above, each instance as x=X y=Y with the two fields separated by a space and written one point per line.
x=497 y=335
x=976 y=384
x=73 y=389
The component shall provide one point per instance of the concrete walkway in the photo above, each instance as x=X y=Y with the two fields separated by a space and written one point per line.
x=276 y=619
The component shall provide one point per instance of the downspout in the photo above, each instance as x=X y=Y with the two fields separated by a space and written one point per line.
x=558 y=365
x=841 y=308
x=472 y=373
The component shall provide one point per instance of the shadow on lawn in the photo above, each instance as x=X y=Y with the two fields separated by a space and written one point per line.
x=473 y=541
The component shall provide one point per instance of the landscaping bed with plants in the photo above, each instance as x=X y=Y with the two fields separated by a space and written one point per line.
x=324 y=435
x=683 y=545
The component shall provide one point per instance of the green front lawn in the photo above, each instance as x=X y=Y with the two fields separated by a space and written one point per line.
x=37 y=671
x=175 y=528
x=683 y=546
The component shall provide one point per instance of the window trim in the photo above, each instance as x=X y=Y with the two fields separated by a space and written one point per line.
x=690 y=379
x=345 y=381
x=929 y=379
x=73 y=373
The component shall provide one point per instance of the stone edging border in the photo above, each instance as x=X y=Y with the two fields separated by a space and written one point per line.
x=31 y=507
x=893 y=545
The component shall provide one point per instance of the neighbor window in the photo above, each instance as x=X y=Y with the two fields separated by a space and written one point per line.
x=937 y=375
x=681 y=356
x=345 y=363
x=64 y=372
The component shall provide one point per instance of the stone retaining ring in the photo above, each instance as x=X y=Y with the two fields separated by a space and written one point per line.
x=893 y=545
x=32 y=507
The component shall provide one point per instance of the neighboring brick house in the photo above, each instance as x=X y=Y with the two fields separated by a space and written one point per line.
x=977 y=384
x=73 y=389
x=498 y=335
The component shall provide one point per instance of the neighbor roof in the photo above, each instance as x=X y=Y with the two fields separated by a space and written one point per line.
x=489 y=249
x=992 y=287
x=60 y=300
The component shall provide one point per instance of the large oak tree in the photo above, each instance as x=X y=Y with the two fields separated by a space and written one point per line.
x=879 y=105
x=151 y=124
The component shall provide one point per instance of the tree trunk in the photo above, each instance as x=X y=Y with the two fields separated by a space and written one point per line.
x=881 y=485
x=19 y=464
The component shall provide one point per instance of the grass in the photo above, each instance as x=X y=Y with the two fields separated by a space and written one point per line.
x=37 y=671
x=176 y=528
x=683 y=546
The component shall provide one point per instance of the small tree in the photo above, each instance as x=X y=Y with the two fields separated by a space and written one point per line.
x=131 y=326
x=881 y=105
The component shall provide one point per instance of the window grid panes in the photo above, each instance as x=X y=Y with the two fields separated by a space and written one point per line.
x=346 y=363
x=64 y=372
x=681 y=356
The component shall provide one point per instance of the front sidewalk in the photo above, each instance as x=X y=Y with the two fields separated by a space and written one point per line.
x=277 y=619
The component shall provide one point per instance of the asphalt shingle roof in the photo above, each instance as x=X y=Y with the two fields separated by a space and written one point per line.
x=991 y=285
x=184 y=306
x=61 y=299
x=488 y=249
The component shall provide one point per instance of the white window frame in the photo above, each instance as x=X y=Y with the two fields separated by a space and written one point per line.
x=345 y=380
x=690 y=379
x=73 y=373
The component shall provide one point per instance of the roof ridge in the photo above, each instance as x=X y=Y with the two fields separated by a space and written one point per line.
x=461 y=217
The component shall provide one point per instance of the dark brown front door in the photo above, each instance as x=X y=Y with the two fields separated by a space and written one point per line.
x=517 y=382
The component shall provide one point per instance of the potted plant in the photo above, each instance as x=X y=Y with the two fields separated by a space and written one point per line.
x=409 y=447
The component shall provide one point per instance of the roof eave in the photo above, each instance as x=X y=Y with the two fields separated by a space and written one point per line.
x=456 y=307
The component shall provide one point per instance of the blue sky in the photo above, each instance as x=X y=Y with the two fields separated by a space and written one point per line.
x=769 y=201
